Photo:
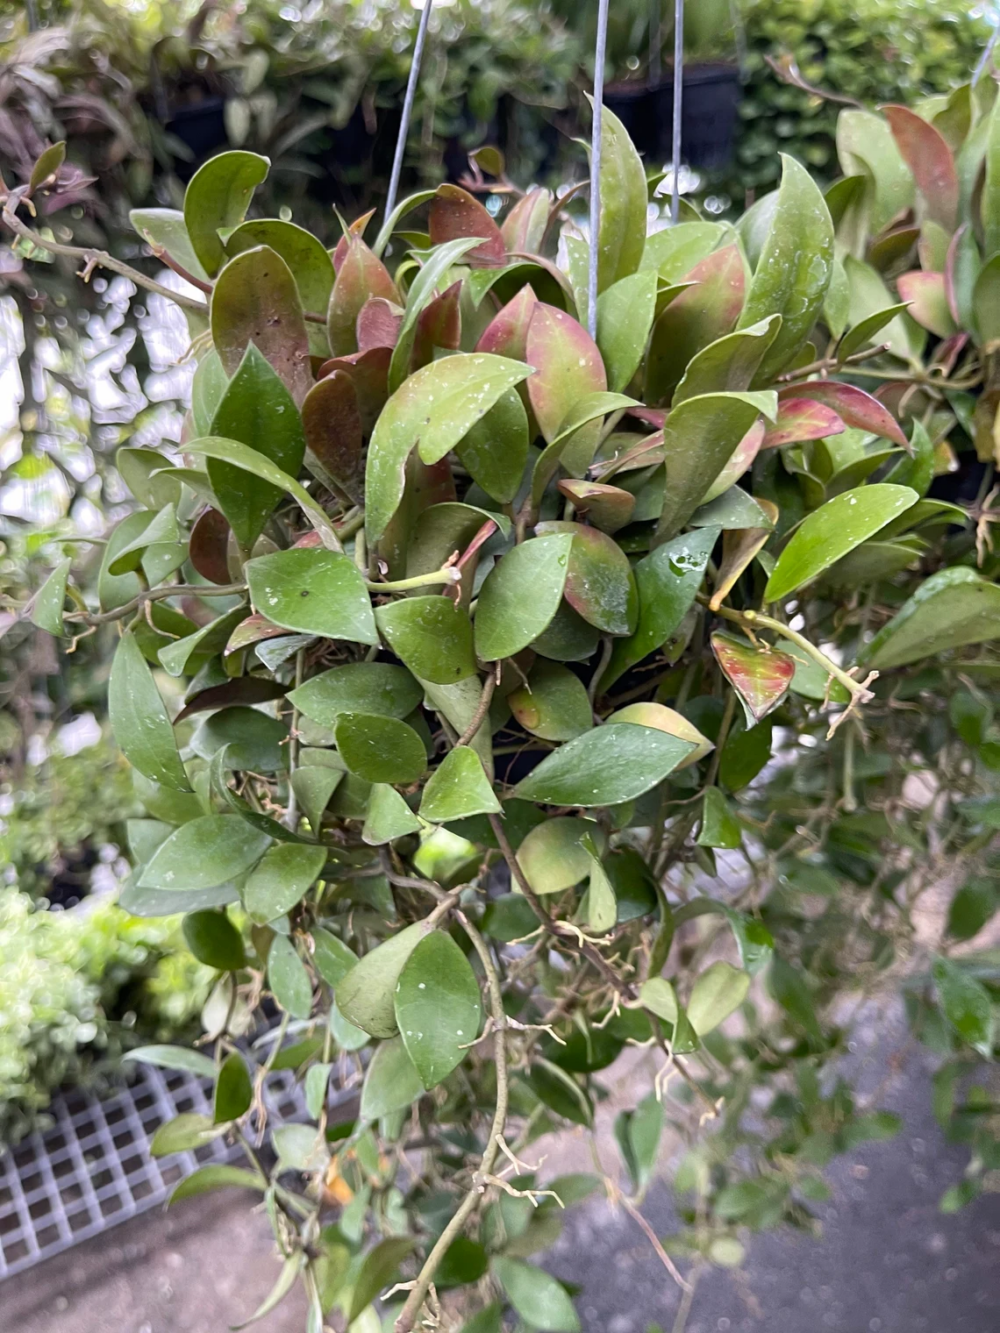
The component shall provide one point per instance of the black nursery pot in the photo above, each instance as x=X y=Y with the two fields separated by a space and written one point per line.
x=708 y=116
x=201 y=126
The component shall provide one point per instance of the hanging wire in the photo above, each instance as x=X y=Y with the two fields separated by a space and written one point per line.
x=600 y=51
x=411 y=93
x=675 y=147
x=987 y=55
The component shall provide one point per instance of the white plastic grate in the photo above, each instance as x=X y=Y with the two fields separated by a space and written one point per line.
x=93 y=1169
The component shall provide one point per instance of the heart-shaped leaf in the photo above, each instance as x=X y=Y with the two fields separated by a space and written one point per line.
x=438 y=1008
x=458 y=788
x=388 y=816
x=313 y=591
x=520 y=595
x=760 y=676
x=431 y=635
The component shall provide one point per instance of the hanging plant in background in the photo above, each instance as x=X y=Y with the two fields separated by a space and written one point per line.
x=488 y=631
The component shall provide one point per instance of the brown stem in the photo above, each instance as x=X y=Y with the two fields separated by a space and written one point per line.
x=482 y=708
x=157 y=595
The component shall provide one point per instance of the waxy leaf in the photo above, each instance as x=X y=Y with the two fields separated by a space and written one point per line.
x=304 y=254
x=495 y=450
x=421 y=294
x=621 y=235
x=552 y=704
x=966 y=1004
x=438 y=1009
x=458 y=788
x=361 y=276
x=740 y=462
x=739 y=549
x=140 y=721
x=607 y=507
x=599 y=582
x=523 y=229
x=696 y=318
x=165 y=228
x=258 y=411
x=599 y=906
x=455 y=215
x=572 y=445
x=332 y=427
x=952 y=608
x=431 y=635
x=435 y=408
x=553 y=856
x=536 y=1296
x=730 y=363
x=388 y=816
x=365 y=995
x=189 y=653
x=208 y=547
x=927 y=298
x=793 y=272
x=521 y=595
x=357 y=687
x=667 y=581
x=214 y=941
x=215 y=1177
x=699 y=438
x=719 y=826
x=369 y=373
x=47 y=607
x=332 y=957
x=157 y=548
x=853 y=406
x=391 y=1083
x=625 y=315
x=380 y=749
x=313 y=786
x=313 y=591
x=233 y=1092
x=282 y=879
x=866 y=147
x=801 y=419
x=507 y=332
x=204 y=853
x=864 y=332
x=717 y=992
x=218 y=195
x=567 y=367
x=649 y=714
x=173 y=1057
x=458 y=705
x=255 y=300
x=606 y=766
x=831 y=531
x=288 y=978
x=990 y=207
x=929 y=158
x=760 y=676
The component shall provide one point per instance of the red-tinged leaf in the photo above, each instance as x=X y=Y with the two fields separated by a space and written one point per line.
x=357 y=228
x=739 y=548
x=362 y=276
x=244 y=690
x=507 y=332
x=852 y=405
x=760 y=676
x=801 y=419
x=255 y=629
x=600 y=585
x=742 y=460
x=456 y=215
x=378 y=325
x=928 y=300
x=567 y=367
x=947 y=353
x=256 y=300
x=331 y=420
x=700 y=315
x=523 y=228
x=370 y=372
x=929 y=158
x=654 y=417
x=607 y=507
x=438 y=325
x=209 y=546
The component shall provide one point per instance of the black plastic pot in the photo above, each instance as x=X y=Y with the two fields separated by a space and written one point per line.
x=708 y=116
x=201 y=127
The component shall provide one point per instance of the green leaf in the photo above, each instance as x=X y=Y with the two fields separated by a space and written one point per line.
x=358 y=687
x=185 y=1132
x=789 y=987
x=600 y=585
x=730 y=363
x=972 y=906
x=625 y=314
x=606 y=766
x=282 y=879
x=552 y=704
x=659 y=996
x=313 y=591
x=176 y=657
x=719 y=826
x=966 y=1004
x=47 y=165
x=438 y=1008
x=140 y=721
x=952 y=608
x=214 y=940
x=305 y=255
x=700 y=437
x=233 y=1090
x=862 y=334
x=521 y=595
x=255 y=300
x=174 y=1057
x=568 y=370
x=539 y=1299
x=252 y=739
x=794 y=268
x=313 y=786
x=422 y=292
x=391 y=1083
x=47 y=607
x=621 y=234
x=165 y=227
x=431 y=635
x=991 y=188
x=573 y=443
x=832 y=530
x=159 y=541
x=717 y=992
x=207 y=391
x=667 y=580
x=203 y=853
x=288 y=978
x=553 y=856
x=404 y=206
x=332 y=957
x=257 y=410
x=365 y=994
x=208 y=1178
x=457 y=704
x=378 y=1271
x=866 y=148
x=638 y=1133
x=380 y=749
x=218 y=195
x=388 y=816
x=458 y=788
x=599 y=904
x=495 y=449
